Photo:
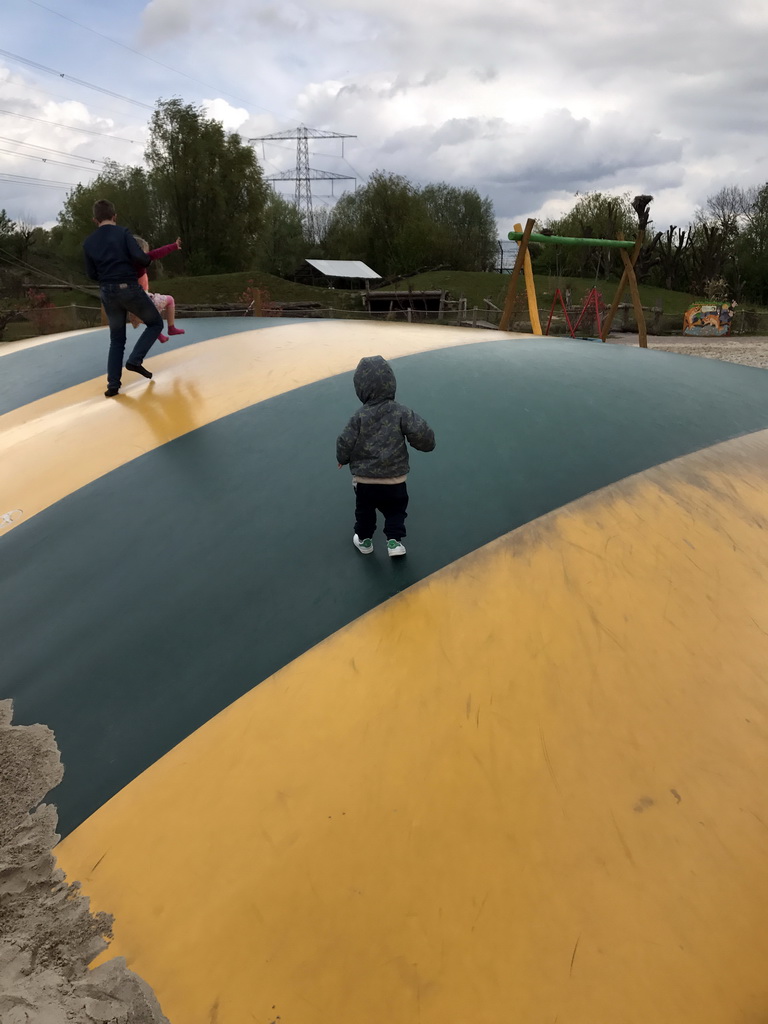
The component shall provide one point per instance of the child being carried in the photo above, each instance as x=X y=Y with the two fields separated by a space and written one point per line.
x=164 y=304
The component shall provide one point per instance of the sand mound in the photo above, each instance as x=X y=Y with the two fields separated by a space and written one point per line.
x=48 y=936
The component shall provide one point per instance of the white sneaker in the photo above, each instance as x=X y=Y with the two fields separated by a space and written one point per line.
x=365 y=547
x=395 y=548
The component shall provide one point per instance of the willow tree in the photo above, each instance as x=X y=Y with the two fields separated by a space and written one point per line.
x=398 y=227
x=594 y=215
x=208 y=185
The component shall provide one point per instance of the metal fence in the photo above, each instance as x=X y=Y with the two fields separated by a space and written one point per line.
x=32 y=323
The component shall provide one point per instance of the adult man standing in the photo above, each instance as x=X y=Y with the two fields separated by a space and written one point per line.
x=113 y=258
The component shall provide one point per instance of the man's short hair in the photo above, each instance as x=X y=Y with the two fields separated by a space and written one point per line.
x=103 y=210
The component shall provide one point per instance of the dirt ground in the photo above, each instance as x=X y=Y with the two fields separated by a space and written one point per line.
x=48 y=935
x=750 y=351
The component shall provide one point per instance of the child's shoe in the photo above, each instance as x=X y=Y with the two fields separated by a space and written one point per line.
x=175 y=330
x=162 y=338
x=365 y=547
x=395 y=548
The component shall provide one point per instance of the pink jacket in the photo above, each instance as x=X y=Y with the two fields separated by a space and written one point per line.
x=156 y=254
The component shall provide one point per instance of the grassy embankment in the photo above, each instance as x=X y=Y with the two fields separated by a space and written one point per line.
x=475 y=287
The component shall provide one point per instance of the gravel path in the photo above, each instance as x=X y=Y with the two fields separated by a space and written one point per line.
x=752 y=351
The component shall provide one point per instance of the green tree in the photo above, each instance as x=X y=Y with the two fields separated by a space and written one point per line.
x=397 y=228
x=281 y=245
x=595 y=215
x=9 y=310
x=462 y=227
x=6 y=227
x=208 y=187
x=128 y=188
x=384 y=223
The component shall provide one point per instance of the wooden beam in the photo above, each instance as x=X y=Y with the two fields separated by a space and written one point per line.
x=530 y=290
x=522 y=249
x=622 y=285
x=629 y=270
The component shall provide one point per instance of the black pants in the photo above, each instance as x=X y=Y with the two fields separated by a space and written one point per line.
x=119 y=299
x=389 y=499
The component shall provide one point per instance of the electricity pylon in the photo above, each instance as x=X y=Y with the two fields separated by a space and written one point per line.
x=305 y=174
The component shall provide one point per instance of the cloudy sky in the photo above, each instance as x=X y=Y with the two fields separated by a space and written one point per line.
x=529 y=102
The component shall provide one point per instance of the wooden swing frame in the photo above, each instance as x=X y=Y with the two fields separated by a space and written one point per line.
x=523 y=265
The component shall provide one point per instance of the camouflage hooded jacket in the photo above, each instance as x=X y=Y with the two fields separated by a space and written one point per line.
x=373 y=442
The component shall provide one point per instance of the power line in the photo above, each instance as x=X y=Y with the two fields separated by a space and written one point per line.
x=70 y=127
x=46 y=149
x=359 y=175
x=15 y=261
x=70 y=78
x=21 y=179
x=160 y=63
x=45 y=159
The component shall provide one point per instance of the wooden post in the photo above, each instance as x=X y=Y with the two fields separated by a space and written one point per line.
x=509 y=302
x=530 y=290
x=622 y=284
x=629 y=270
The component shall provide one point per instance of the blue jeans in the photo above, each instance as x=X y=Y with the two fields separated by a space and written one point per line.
x=119 y=299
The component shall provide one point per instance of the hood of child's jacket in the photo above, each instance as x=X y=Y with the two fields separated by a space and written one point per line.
x=374 y=380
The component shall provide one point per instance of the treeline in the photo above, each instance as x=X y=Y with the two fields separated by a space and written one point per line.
x=206 y=184
x=720 y=255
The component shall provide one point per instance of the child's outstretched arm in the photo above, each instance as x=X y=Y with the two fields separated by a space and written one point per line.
x=346 y=440
x=417 y=431
x=164 y=250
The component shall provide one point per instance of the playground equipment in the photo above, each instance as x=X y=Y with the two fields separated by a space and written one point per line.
x=523 y=263
x=592 y=306
x=517 y=776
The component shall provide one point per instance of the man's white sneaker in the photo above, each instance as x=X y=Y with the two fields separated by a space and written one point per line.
x=395 y=548
x=365 y=547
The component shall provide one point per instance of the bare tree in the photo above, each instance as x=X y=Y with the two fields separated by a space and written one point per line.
x=727 y=208
x=673 y=250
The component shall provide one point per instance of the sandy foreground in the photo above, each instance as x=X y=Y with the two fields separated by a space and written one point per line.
x=752 y=351
x=48 y=935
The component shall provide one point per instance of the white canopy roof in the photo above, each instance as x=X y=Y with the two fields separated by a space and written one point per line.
x=345 y=268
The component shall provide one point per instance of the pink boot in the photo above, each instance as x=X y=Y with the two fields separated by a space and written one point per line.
x=175 y=330
x=163 y=337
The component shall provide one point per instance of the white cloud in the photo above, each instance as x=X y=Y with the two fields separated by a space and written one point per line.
x=528 y=102
x=37 y=144
x=233 y=118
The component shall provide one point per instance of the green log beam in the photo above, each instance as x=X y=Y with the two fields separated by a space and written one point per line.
x=607 y=243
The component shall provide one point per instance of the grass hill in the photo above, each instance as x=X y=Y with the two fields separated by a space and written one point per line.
x=474 y=287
